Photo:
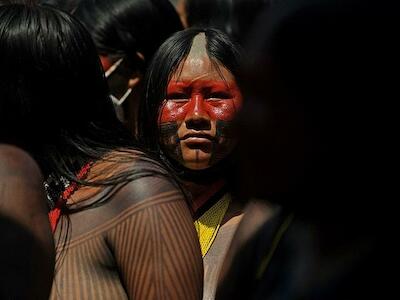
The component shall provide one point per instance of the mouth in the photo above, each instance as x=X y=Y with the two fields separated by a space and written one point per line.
x=198 y=141
x=197 y=136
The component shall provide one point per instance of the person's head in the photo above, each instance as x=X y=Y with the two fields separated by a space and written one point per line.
x=126 y=33
x=308 y=127
x=234 y=17
x=192 y=98
x=54 y=98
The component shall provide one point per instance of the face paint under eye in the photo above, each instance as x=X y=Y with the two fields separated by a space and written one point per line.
x=220 y=100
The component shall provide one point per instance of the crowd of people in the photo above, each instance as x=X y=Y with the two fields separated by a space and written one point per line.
x=195 y=149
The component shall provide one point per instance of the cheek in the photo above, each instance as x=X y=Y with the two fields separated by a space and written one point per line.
x=224 y=110
x=172 y=112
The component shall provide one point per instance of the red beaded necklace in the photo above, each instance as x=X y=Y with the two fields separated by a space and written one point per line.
x=55 y=213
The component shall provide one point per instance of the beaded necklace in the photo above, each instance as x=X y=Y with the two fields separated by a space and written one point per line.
x=209 y=223
x=69 y=188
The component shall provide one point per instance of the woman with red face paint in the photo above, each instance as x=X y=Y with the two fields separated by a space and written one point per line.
x=191 y=99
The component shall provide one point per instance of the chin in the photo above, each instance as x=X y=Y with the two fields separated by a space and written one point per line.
x=201 y=161
x=196 y=165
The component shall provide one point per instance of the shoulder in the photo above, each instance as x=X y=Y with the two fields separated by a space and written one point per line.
x=16 y=162
x=149 y=189
x=139 y=181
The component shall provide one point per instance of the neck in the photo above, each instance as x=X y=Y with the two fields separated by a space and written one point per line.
x=201 y=192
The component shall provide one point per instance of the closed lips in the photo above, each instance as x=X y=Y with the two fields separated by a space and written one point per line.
x=198 y=135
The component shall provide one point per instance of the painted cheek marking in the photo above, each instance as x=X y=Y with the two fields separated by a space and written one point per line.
x=222 y=109
x=172 y=111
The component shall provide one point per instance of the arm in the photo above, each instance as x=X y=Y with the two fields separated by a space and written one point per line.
x=26 y=244
x=155 y=244
x=238 y=269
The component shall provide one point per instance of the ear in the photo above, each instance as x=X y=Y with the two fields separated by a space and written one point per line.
x=134 y=81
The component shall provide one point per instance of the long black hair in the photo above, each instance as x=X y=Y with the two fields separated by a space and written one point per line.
x=124 y=27
x=221 y=50
x=54 y=98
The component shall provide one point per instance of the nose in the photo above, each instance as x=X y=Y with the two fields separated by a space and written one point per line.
x=197 y=117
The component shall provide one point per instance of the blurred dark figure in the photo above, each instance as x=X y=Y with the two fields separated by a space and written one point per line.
x=234 y=17
x=26 y=244
x=315 y=143
x=127 y=33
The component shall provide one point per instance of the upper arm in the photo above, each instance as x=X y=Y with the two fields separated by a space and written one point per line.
x=238 y=265
x=155 y=244
x=26 y=245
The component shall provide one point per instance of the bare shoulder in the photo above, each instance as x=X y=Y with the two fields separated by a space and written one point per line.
x=143 y=181
x=21 y=181
x=256 y=213
x=16 y=162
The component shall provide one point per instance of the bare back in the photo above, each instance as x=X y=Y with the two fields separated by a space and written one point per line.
x=140 y=244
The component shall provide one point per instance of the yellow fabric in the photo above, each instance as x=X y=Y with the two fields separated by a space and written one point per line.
x=208 y=224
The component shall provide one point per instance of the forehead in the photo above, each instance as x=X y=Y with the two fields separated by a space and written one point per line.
x=198 y=65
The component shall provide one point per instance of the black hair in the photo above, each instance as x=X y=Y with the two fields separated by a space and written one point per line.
x=234 y=17
x=166 y=61
x=124 y=27
x=54 y=98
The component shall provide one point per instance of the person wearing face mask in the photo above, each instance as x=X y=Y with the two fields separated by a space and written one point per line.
x=191 y=99
x=126 y=34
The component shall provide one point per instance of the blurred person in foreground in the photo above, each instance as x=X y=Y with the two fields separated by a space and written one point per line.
x=26 y=246
x=314 y=143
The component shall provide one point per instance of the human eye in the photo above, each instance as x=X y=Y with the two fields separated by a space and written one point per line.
x=219 y=96
x=177 y=97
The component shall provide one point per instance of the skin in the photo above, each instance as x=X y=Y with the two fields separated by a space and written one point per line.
x=26 y=245
x=145 y=225
x=180 y=8
x=195 y=119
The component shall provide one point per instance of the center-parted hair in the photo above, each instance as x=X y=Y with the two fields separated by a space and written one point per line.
x=168 y=58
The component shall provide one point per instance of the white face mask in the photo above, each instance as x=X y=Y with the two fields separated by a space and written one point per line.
x=112 y=72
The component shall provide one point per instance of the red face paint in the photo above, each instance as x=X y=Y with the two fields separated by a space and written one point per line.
x=214 y=100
